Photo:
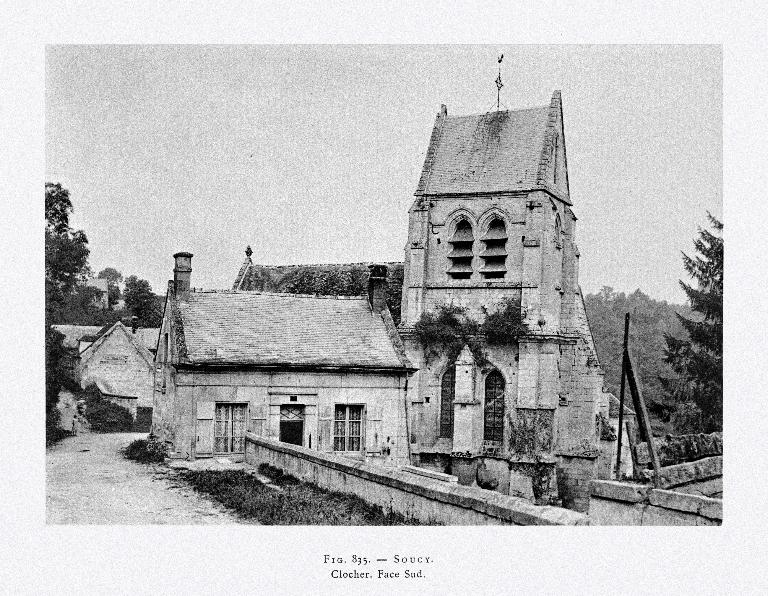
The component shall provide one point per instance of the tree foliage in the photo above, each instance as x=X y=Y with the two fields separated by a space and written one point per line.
x=697 y=356
x=650 y=320
x=66 y=251
x=141 y=302
x=66 y=264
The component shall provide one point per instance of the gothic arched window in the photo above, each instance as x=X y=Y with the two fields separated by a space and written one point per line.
x=460 y=257
x=493 y=411
x=447 y=394
x=494 y=254
x=558 y=231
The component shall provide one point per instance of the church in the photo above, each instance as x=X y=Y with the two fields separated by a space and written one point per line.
x=491 y=247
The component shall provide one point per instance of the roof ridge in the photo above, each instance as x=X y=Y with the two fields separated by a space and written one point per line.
x=541 y=107
x=282 y=294
x=332 y=264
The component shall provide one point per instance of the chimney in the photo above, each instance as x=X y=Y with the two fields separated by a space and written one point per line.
x=377 y=287
x=134 y=323
x=182 y=274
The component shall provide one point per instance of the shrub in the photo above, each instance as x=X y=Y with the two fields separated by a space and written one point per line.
x=146 y=451
x=446 y=331
x=103 y=415
x=505 y=325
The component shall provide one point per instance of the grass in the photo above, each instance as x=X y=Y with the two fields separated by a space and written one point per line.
x=296 y=503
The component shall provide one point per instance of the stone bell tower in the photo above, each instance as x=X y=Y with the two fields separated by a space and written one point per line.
x=491 y=225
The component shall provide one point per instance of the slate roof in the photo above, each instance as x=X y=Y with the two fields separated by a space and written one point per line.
x=74 y=333
x=256 y=328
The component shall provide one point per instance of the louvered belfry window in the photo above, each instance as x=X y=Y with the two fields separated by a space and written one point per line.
x=460 y=257
x=447 y=395
x=348 y=428
x=494 y=408
x=494 y=253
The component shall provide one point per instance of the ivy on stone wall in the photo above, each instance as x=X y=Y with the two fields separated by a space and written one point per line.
x=505 y=325
x=530 y=432
x=447 y=330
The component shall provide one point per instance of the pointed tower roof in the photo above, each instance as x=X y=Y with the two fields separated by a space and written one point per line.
x=492 y=152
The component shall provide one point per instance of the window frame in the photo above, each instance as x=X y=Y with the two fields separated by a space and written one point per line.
x=348 y=421
x=443 y=424
x=498 y=410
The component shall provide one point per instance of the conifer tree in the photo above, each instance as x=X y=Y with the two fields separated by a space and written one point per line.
x=699 y=358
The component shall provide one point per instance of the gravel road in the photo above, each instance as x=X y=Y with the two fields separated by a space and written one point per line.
x=89 y=482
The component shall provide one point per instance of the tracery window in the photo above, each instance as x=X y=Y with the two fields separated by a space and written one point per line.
x=447 y=395
x=460 y=257
x=493 y=411
x=494 y=254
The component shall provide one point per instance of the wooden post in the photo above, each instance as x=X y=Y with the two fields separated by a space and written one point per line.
x=621 y=396
x=643 y=419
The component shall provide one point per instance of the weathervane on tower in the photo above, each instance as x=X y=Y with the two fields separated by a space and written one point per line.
x=499 y=84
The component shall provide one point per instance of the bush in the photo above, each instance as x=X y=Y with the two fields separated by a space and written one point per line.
x=446 y=331
x=505 y=325
x=146 y=451
x=103 y=415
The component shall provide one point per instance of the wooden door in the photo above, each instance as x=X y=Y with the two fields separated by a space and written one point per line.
x=204 y=444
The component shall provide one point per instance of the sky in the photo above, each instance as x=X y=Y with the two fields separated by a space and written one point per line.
x=311 y=154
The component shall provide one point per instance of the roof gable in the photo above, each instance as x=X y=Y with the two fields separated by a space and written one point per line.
x=498 y=151
x=118 y=327
x=264 y=329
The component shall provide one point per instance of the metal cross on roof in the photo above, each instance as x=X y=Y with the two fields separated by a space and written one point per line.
x=499 y=84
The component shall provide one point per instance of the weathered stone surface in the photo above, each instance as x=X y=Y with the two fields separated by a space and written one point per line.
x=605 y=512
x=431 y=474
x=703 y=469
x=674 y=500
x=619 y=491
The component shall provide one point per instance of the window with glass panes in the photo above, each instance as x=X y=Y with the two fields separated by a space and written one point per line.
x=348 y=428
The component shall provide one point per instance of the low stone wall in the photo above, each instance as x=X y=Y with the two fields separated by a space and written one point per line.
x=626 y=504
x=687 y=448
x=428 y=499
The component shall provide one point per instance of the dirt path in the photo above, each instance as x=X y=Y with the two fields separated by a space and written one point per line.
x=89 y=482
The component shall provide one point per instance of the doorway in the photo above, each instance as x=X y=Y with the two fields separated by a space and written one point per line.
x=229 y=428
x=292 y=424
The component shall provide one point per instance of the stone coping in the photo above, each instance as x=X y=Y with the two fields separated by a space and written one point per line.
x=668 y=499
x=510 y=509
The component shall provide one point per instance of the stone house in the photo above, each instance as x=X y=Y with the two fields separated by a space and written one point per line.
x=76 y=339
x=325 y=372
x=121 y=365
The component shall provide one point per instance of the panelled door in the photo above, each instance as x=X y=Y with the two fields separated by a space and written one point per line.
x=229 y=428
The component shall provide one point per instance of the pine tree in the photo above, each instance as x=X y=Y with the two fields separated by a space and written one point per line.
x=699 y=358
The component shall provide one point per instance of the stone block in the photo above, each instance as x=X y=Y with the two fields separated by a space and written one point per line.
x=661 y=516
x=605 y=512
x=619 y=491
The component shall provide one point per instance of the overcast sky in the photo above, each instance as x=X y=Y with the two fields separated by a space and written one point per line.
x=311 y=154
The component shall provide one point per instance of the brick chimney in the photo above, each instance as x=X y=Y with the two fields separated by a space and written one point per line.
x=134 y=323
x=377 y=287
x=182 y=274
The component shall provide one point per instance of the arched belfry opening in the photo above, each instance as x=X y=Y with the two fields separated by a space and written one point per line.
x=462 y=242
x=494 y=253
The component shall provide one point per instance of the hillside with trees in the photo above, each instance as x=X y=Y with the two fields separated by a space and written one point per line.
x=651 y=320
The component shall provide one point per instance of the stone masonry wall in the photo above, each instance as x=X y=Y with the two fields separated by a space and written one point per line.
x=413 y=495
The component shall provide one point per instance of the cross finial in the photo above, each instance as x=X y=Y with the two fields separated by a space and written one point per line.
x=248 y=251
x=499 y=84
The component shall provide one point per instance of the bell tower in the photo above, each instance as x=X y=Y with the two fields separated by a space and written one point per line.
x=492 y=225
